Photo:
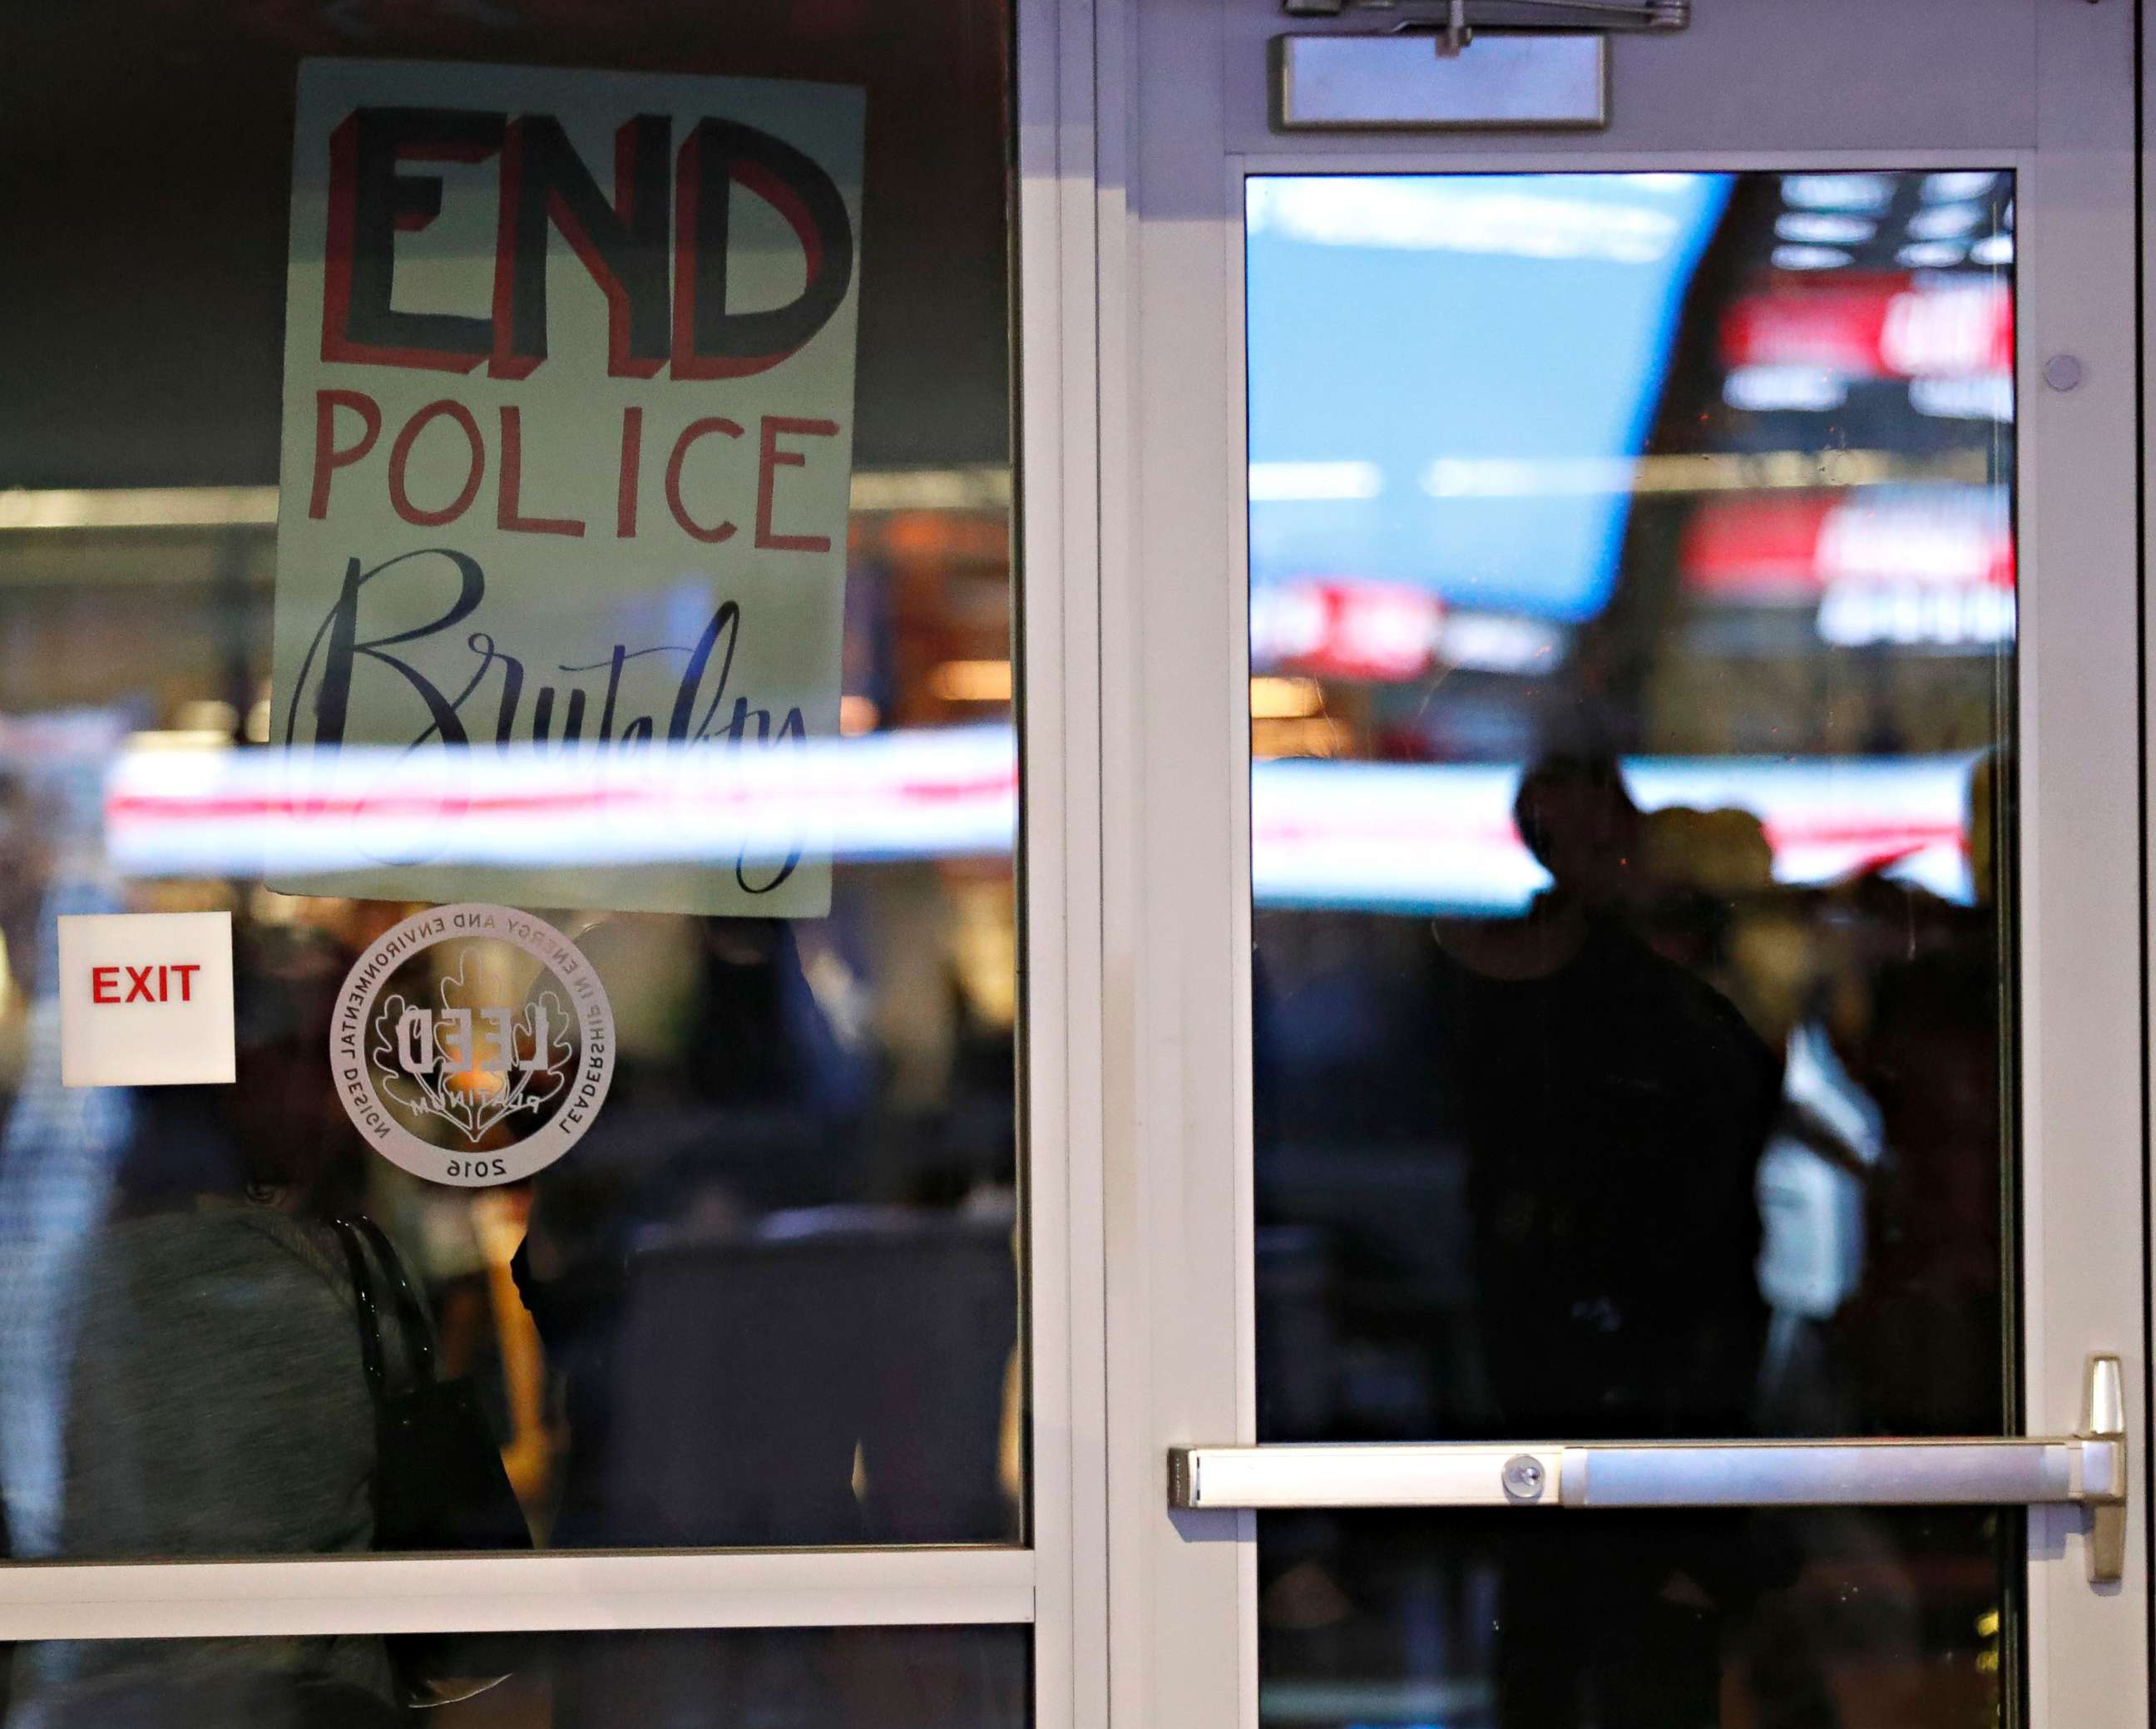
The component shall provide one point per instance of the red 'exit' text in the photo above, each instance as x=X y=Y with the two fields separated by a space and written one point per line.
x=104 y=982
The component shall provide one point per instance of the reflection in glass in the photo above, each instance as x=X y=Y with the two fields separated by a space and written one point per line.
x=772 y=1296
x=793 y=1678
x=1632 y=654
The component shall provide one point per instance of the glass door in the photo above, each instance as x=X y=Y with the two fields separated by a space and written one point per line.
x=1639 y=1180
x=534 y=958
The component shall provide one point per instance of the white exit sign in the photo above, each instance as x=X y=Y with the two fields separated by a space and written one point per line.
x=145 y=999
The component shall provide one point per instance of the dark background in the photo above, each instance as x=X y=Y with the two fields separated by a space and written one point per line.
x=145 y=166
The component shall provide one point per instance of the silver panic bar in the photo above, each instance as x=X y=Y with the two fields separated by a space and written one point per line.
x=2087 y=1469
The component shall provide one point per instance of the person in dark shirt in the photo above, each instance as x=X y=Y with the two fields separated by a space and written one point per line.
x=1614 y=1107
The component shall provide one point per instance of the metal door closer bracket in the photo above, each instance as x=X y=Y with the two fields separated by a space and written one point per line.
x=1536 y=64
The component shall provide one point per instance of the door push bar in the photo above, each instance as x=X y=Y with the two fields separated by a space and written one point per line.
x=2087 y=1468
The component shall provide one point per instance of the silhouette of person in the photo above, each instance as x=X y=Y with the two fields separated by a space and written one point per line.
x=216 y=1402
x=1614 y=1109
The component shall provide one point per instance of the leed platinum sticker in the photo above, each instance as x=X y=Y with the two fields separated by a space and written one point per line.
x=472 y=1045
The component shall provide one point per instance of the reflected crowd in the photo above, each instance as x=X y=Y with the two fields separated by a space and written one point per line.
x=1664 y=1089
x=1677 y=1153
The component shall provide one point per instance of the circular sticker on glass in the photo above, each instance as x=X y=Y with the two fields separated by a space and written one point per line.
x=472 y=1045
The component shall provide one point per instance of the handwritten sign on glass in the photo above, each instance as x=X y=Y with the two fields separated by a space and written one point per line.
x=567 y=444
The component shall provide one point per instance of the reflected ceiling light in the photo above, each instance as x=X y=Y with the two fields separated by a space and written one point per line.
x=1499 y=642
x=1993 y=249
x=1426 y=835
x=1271 y=740
x=1943 y=222
x=1763 y=390
x=1857 y=614
x=1346 y=627
x=1974 y=396
x=1963 y=183
x=985 y=488
x=206 y=714
x=1314 y=482
x=973 y=681
x=1431 y=837
x=945 y=791
x=1809 y=258
x=1712 y=471
x=1515 y=216
x=1824 y=228
x=965 y=489
x=139 y=507
x=1284 y=699
x=1931 y=254
x=1837 y=191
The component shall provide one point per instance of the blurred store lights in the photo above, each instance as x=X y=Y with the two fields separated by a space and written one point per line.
x=1914 y=566
x=945 y=792
x=971 y=680
x=1382 y=631
x=1809 y=258
x=1956 y=183
x=1890 y=549
x=1702 y=471
x=1409 y=837
x=1948 y=222
x=1769 y=390
x=1378 y=835
x=1278 y=698
x=1863 y=192
x=1962 y=536
x=1984 y=396
x=1817 y=227
x=1308 y=736
x=1894 y=325
x=1388 y=633
x=1761 y=548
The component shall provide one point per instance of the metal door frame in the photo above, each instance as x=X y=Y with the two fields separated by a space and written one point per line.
x=1182 y=100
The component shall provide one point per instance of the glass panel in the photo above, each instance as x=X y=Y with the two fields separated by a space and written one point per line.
x=770 y=1297
x=780 y=1678
x=1632 y=797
